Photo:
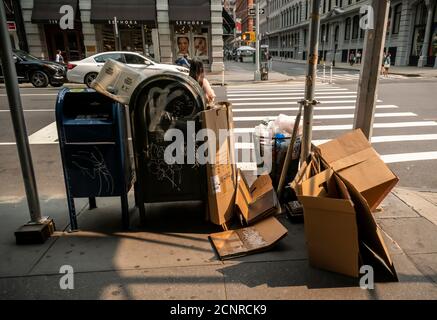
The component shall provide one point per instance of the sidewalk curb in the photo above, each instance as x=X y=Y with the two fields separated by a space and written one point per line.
x=411 y=75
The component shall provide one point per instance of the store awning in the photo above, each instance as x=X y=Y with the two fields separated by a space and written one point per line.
x=189 y=10
x=137 y=11
x=47 y=11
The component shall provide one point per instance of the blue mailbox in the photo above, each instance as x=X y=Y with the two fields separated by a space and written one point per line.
x=93 y=141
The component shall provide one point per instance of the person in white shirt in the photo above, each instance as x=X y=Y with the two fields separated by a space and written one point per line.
x=59 y=57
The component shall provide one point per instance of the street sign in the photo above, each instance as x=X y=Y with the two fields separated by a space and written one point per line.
x=252 y=11
x=11 y=26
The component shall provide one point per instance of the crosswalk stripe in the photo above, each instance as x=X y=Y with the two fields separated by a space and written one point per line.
x=315 y=108
x=330 y=116
x=387 y=158
x=33 y=110
x=48 y=134
x=394 y=138
x=291 y=102
x=284 y=90
x=349 y=127
x=285 y=98
x=286 y=94
x=413 y=156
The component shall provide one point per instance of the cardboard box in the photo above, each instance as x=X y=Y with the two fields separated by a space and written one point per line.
x=340 y=231
x=221 y=176
x=117 y=81
x=258 y=201
x=259 y=237
x=352 y=156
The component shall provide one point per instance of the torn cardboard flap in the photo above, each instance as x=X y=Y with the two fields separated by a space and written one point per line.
x=256 y=238
x=352 y=156
x=330 y=225
x=258 y=201
x=340 y=230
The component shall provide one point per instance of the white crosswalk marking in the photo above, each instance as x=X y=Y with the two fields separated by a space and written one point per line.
x=343 y=75
x=334 y=116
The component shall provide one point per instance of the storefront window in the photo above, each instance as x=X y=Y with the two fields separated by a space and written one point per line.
x=192 y=40
x=132 y=37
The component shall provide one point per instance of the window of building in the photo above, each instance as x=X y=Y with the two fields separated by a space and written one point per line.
x=397 y=18
x=355 y=27
x=306 y=10
x=347 y=29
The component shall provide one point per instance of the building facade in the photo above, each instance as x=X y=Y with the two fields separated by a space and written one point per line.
x=411 y=33
x=242 y=12
x=162 y=29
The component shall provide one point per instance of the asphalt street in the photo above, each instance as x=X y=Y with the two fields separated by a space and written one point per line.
x=405 y=133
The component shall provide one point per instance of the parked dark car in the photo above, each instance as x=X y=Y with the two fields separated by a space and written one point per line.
x=39 y=73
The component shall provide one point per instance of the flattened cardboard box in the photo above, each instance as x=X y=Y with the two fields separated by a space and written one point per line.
x=352 y=156
x=117 y=81
x=258 y=201
x=340 y=231
x=241 y=242
x=221 y=179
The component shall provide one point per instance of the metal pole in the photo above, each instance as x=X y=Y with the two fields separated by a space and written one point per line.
x=330 y=73
x=324 y=72
x=13 y=92
x=311 y=80
x=371 y=66
x=117 y=37
x=257 y=72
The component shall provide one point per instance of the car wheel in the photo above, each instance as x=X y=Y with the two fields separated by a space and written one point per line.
x=39 y=79
x=90 y=78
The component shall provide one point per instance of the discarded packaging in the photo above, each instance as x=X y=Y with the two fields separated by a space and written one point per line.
x=221 y=171
x=259 y=237
x=340 y=231
x=257 y=202
x=352 y=156
x=117 y=81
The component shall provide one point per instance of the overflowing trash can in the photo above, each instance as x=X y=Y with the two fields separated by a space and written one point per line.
x=161 y=107
x=264 y=72
x=93 y=142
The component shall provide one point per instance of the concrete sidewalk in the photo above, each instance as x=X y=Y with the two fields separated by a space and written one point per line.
x=408 y=71
x=242 y=73
x=172 y=258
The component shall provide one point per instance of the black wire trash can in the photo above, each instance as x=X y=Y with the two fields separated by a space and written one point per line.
x=274 y=149
x=93 y=139
x=161 y=103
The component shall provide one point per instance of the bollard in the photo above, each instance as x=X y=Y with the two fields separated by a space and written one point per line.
x=223 y=75
x=324 y=72
x=330 y=74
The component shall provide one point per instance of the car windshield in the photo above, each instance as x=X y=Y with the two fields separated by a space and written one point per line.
x=25 y=56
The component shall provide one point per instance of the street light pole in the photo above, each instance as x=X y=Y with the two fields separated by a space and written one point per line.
x=308 y=103
x=38 y=229
x=257 y=71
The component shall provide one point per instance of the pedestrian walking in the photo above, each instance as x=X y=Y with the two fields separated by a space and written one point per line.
x=59 y=58
x=197 y=72
x=387 y=64
x=269 y=61
x=352 y=59
x=359 y=57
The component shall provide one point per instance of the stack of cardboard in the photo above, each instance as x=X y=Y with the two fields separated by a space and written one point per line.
x=229 y=195
x=339 y=187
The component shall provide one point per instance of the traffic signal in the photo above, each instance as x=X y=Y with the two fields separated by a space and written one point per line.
x=248 y=36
